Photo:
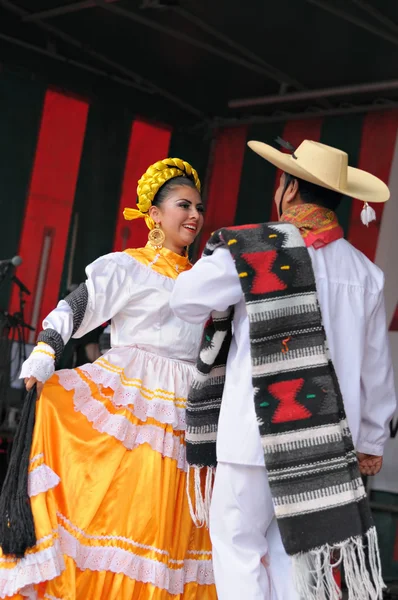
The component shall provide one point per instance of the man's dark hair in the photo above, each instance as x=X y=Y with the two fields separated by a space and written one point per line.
x=314 y=194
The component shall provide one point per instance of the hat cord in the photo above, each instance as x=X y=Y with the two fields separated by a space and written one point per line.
x=287 y=146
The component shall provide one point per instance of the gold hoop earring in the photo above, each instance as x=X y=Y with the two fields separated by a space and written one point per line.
x=156 y=237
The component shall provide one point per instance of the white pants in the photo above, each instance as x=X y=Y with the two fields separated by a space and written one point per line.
x=245 y=538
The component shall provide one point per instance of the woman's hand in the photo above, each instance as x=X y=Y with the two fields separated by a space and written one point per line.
x=38 y=368
x=31 y=381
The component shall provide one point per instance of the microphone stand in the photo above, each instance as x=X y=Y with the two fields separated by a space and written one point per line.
x=13 y=328
x=20 y=315
x=21 y=285
x=4 y=271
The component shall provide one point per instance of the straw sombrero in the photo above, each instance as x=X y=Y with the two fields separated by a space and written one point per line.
x=325 y=166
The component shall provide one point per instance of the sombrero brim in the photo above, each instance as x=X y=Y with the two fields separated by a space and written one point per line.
x=360 y=184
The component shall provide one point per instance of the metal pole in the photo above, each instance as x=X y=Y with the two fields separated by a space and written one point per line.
x=344 y=90
x=373 y=12
x=41 y=280
x=104 y=59
x=355 y=20
x=273 y=72
x=69 y=61
x=233 y=58
x=62 y=10
x=72 y=253
x=285 y=116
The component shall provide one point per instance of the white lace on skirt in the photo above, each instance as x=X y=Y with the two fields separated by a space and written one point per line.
x=41 y=480
x=32 y=569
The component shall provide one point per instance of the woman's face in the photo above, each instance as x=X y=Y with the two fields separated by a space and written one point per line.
x=180 y=216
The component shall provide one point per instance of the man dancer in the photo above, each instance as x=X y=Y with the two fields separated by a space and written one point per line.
x=249 y=558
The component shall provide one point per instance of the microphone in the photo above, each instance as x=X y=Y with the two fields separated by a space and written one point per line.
x=15 y=261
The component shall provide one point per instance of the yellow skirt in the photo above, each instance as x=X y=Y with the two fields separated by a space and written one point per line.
x=107 y=484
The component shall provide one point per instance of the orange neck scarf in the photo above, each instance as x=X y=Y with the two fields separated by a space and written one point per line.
x=318 y=225
x=162 y=260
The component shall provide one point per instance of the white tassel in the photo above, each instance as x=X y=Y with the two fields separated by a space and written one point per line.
x=367 y=214
x=199 y=505
x=313 y=571
x=208 y=492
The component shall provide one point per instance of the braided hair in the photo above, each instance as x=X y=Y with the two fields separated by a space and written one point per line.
x=158 y=174
x=156 y=183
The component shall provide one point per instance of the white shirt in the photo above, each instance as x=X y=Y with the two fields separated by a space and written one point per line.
x=350 y=290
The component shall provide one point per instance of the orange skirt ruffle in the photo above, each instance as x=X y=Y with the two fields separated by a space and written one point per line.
x=108 y=494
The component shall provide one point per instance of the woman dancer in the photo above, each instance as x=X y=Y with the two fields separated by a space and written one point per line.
x=107 y=473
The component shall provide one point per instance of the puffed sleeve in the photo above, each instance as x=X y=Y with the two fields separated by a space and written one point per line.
x=212 y=284
x=105 y=292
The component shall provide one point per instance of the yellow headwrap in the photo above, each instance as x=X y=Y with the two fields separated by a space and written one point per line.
x=152 y=180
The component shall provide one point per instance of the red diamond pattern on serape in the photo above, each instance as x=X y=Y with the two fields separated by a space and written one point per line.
x=289 y=408
x=264 y=280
